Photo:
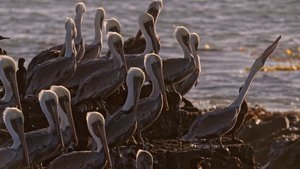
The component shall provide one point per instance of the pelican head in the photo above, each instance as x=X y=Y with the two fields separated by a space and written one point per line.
x=48 y=102
x=113 y=25
x=135 y=79
x=8 y=77
x=195 y=40
x=144 y=160
x=260 y=61
x=146 y=23
x=70 y=25
x=64 y=109
x=182 y=36
x=116 y=45
x=14 y=122
x=96 y=126
x=154 y=8
x=80 y=8
x=99 y=17
x=153 y=65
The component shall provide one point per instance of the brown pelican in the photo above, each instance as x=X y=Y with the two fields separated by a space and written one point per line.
x=93 y=50
x=137 y=45
x=121 y=125
x=185 y=86
x=240 y=119
x=217 y=123
x=15 y=156
x=174 y=69
x=144 y=160
x=56 y=71
x=21 y=75
x=9 y=80
x=43 y=142
x=65 y=114
x=59 y=50
x=147 y=26
x=103 y=83
x=87 y=159
x=149 y=108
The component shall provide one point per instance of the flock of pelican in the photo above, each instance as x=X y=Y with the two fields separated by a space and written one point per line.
x=77 y=67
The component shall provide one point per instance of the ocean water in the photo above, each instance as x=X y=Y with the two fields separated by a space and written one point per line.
x=233 y=33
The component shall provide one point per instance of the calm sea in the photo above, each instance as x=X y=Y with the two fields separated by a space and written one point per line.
x=233 y=33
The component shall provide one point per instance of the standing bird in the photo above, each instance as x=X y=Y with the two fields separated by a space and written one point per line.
x=103 y=83
x=56 y=71
x=9 y=80
x=149 y=108
x=137 y=44
x=240 y=120
x=21 y=76
x=121 y=125
x=93 y=50
x=59 y=50
x=15 y=156
x=65 y=114
x=185 y=85
x=87 y=159
x=217 y=123
x=144 y=160
x=44 y=142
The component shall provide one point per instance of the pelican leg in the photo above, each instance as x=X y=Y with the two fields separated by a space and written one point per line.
x=140 y=138
x=234 y=139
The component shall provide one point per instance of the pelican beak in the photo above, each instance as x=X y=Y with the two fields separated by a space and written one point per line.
x=137 y=85
x=67 y=108
x=157 y=69
x=52 y=107
x=19 y=128
x=269 y=50
x=101 y=130
x=149 y=26
x=13 y=79
x=120 y=49
x=186 y=41
x=101 y=22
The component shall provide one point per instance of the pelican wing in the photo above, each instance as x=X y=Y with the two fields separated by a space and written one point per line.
x=42 y=57
x=186 y=85
x=79 y=160
x=148 y=110
x=52 y=72
x=213 y=123
x=92 y=51
x=85 y=69
x=11 y=158
x=100 y=84
x=177 y=69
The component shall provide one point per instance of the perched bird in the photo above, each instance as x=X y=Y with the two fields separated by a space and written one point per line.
x=87 y=159
x=103 y=83
x=15 y=156
x=185 y=85
x=93 y=50
x=149 y=108
x=144 y=160
x=42 y=143
x=137 y=44
x=59 y=50
x=217 y=123
x=56 y=71
x=121 y=125
x=11 y=97
x=21 y=76
x=67 y=124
